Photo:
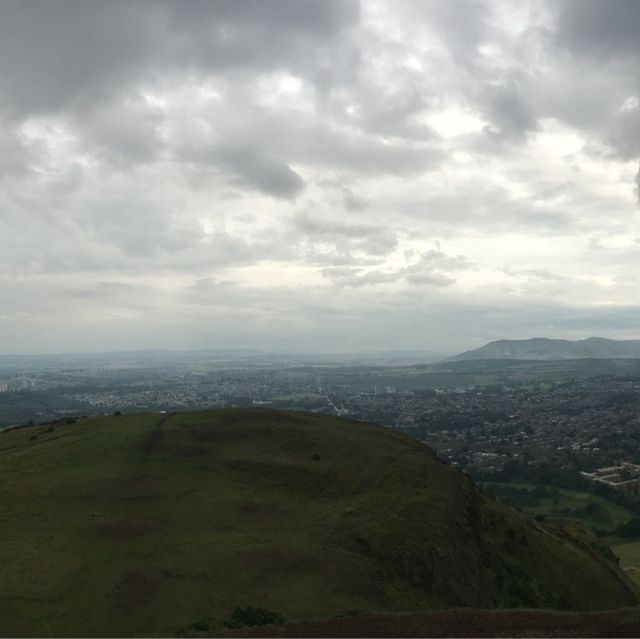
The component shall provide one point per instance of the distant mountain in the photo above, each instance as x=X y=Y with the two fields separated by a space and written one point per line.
x=541 y=348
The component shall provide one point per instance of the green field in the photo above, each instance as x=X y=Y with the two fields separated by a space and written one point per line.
x=162 y=524
x=596 y=512
x=629 y=554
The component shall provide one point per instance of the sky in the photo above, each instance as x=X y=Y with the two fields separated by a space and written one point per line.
x=326 y=175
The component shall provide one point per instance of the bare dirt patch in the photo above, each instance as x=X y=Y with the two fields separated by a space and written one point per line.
x=154 y=441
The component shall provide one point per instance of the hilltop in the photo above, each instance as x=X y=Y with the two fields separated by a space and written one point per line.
x=541 y=348
x=165 y=524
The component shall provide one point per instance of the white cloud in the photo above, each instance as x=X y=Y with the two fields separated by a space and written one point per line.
x=288 y=174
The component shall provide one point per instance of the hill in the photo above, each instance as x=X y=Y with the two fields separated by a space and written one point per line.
x=541 y=348
x=165 y=524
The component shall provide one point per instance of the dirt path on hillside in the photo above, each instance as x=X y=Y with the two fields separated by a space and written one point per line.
x=154 y=441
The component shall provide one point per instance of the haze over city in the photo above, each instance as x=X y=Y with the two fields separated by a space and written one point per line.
x=332 y=176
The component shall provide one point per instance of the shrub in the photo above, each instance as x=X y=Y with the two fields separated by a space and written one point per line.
x=251 y=616
x=630 y=528
x=198 y=626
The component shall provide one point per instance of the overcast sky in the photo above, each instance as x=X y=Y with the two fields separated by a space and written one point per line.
x=324 y=175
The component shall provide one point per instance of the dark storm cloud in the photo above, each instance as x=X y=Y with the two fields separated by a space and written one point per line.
x=510 y=113
x=595 y=53
x=88 y=62
x=463 y=25
x=500 y=92
x=326 y=143
x=236 y=34
x=270 y=148
x=65 y=54
x=250 y=167
x=599 y=29
x=55 y=55
x=390 y=108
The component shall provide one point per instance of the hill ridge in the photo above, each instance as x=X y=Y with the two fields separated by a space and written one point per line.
x=151 y=523
x=544 y=348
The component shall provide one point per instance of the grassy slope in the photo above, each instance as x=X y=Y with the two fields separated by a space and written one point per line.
x=607 y=517
x=145 y=524
x=629 y=553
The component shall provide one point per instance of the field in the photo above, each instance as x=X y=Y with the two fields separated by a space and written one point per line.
x=629 y=553
x=596 y=512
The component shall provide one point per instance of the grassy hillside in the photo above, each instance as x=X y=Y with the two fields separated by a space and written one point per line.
x=629 y=553
x=148 y=524
x=599 y=514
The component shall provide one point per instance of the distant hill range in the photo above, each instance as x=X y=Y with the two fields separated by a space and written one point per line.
x=541 y=348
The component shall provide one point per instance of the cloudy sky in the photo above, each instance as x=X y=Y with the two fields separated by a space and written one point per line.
x=325 y=175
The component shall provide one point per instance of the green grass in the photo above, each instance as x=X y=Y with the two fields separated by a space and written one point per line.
x=607 y=517
x=629 y=554
x=148 y=524
x=604 y=514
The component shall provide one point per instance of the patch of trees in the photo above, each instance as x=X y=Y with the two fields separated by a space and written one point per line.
x=629 y=529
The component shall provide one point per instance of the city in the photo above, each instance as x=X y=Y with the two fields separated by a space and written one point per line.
x=481 y=417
